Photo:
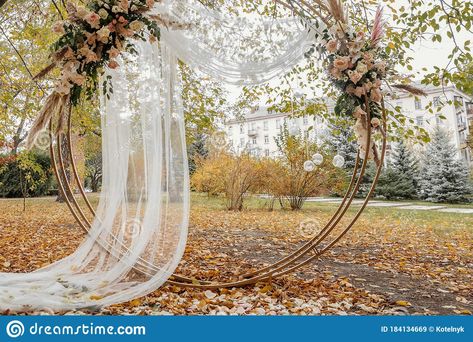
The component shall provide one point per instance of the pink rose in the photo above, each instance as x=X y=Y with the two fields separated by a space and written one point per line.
x=113 y=65
x=332 y=46
x=376 y=95
x=93 y=19
x=341 y=63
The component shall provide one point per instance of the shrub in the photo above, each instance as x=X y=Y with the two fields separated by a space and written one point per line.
x=27 y=174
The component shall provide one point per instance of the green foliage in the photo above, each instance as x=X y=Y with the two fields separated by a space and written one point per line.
x=27 y=174
x=399 y=180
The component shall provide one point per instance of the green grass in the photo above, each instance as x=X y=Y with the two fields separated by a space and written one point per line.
x=438 y=221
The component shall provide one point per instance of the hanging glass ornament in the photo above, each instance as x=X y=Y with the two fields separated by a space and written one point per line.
x=309 y=166
x=318 y=159
x=293 y=130
x=338 y=161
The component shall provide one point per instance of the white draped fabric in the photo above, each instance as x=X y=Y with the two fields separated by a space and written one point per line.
x=139 y=233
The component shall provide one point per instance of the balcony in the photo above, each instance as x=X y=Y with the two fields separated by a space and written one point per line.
x=252 y=132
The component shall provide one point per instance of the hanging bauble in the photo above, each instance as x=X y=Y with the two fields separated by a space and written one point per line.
x=309 y=166
x=338 y=161
x=318 y=159
x=293 y=130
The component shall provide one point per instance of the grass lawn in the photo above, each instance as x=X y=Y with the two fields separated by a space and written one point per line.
x=393 y=261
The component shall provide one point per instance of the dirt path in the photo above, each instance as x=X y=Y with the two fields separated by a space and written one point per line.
x=422 y=294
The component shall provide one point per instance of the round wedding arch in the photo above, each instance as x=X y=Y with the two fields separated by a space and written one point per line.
x=105 y=46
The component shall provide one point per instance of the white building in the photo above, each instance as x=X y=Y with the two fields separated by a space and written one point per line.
x=456 y=117
x=256 y=132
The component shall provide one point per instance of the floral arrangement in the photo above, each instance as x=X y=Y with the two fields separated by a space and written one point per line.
x=357 y=65
x=91 y=39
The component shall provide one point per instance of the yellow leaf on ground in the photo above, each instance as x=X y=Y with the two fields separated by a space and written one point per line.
x=403 y=303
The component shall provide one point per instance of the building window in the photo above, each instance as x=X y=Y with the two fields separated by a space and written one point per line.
x=253 y=126
x=437 y=102
x=305 y=120
x=418 y=104
x=242 y=142
x=266 y=139
x=230 y=129
x=254 y=141
x=265 y=125
x=266 y=153
x=420 y=121
x=278 y=123
x=242 y=129
x=458 y=101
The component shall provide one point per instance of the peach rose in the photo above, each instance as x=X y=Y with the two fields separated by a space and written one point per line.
x=103 y=34
x=78 y=79
x=341 y=63
x=376 y=95
x=123 y=6
x=113 y=52
x=355 y=76
x=359 y=91
x=362 y=68
x=358 y=113
x=91 y=38
x=336 y=73
x=59 y=27
x=332 y=46
x=150 y=3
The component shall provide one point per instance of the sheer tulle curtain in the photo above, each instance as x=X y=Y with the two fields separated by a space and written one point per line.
x=139 y=234
x=238 y=49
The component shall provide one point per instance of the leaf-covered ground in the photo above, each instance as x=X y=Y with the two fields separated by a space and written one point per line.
x=392 y=261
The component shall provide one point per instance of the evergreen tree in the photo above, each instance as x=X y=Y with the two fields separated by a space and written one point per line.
x=399 y=180
x=444 y=178
x=343 y=141
x=197 y=149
